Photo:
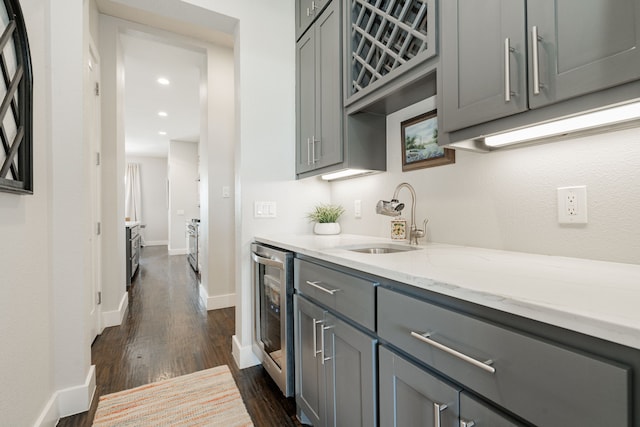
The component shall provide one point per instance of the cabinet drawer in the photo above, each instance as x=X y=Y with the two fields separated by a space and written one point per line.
x=544 y=383
x=349 y=295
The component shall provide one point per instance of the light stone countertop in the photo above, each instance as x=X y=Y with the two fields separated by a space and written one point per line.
x=597 y=298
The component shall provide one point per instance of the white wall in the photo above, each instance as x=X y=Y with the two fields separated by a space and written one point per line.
x=507 y=199
x=153 y=188
x=114 y=283
x=45 y=357
x=26 y=358
x=183 y=192
x=217 y=171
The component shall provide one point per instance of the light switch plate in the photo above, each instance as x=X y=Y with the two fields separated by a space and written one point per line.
x=262 y=209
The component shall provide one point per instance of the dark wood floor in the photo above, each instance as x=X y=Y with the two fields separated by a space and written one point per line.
x=168 y=332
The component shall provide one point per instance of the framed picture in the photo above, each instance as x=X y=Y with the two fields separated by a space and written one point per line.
x=420 y=143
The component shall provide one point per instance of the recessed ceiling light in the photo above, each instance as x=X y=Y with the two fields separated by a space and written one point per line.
x=162 y=113
x=162 y=132
x=163 y=81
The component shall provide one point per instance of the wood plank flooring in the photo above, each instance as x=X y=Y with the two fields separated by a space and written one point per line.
x=168 y=332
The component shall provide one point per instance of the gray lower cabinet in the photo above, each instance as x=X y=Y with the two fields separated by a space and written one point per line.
x=502 y=57
x=539 y=381
x=319 y=112
x=410 y=396
x=310 y=384
x=335 y=369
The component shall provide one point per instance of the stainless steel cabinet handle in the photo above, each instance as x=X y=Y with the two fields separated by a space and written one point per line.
x=324 y=328
x=486 y=365
x=315 y=337
x=313 y=149
x=507 y=69
x=267 y=261
x=464 y=423
x=437 y=409
x=308 y=148
x=315 y=285
x=308 y=12
x=536 y=63
x=313 y=6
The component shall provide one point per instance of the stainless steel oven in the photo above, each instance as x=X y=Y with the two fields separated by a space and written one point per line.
x=273 y=313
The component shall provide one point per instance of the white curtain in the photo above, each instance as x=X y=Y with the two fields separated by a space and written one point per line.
x=133 y=199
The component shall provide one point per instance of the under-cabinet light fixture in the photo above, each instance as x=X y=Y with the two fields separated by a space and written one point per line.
x=345 y=173
x=591 y=120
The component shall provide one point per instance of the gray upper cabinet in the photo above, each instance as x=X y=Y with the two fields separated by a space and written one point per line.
x=319 y=93
x=582 y=47
x=306 y=12
x=501 y=57
x=477 y=54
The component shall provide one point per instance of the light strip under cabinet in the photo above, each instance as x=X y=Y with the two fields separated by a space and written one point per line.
x=345 y=173
x=590 y=120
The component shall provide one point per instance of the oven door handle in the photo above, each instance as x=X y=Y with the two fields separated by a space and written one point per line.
x=267 y=261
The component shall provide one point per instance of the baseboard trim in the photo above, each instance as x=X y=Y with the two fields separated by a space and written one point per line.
x=243 y=356
x=50 y=415
x=221 y=301
x=69 y=401
x=178 y=251
x=156 y=243
x=74 y=400
x=115 y=317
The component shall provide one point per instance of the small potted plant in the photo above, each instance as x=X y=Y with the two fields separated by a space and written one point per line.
x=326 y=218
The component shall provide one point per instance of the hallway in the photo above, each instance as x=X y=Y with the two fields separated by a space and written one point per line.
x=168 y=332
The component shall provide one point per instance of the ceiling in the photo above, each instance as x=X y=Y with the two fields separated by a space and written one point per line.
x=147 y=57
x=145 y=60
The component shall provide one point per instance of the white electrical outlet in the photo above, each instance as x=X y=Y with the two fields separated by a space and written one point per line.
x=572 y=205
x=357 y=208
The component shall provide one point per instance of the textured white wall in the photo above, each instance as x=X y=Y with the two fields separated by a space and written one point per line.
x=183 y=192
x=153 y=183
x=26 y=358
x=217 y=171
x=507 y=199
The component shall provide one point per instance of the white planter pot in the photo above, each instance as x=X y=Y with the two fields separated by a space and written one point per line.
x=326 y=228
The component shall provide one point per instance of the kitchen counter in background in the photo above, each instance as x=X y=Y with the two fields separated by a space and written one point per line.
x=597 y=298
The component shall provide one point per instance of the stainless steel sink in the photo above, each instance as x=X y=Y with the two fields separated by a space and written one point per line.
x=381 y=248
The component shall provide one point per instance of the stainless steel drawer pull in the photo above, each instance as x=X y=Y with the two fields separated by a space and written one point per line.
x=315 y=337
x=464 y=423
x=323 y=289
x=437 y=408
x=486 y=365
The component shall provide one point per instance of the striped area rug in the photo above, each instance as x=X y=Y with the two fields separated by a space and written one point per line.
x=204 y=398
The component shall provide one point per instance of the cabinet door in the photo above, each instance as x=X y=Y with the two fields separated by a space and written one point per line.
x=304 y=16
x=583 y=46
x=305 y=100
x=410 y=396
x=327 y=140
x=476 y=414
x=350 y=372
x=484 y=61
x=310 y=389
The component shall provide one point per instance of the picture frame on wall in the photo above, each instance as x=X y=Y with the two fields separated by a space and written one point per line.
x=420 y=149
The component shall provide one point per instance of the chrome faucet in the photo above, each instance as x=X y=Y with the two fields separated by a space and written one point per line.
x=394 y=207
